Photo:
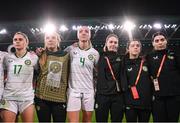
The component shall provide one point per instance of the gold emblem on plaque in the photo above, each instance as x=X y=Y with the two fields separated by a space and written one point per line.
x=55 y=67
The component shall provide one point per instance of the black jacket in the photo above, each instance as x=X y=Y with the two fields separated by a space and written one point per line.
x=144 y=85
x=169 y=79
x=105 y=83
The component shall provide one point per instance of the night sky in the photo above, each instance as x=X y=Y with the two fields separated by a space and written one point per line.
x=23 y=10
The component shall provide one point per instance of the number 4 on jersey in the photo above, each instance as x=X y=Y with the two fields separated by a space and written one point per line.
x=82 y=60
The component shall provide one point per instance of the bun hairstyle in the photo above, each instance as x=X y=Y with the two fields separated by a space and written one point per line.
x=107 y=38
x=158 y=33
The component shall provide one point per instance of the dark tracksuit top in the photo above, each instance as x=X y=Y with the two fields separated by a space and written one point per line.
x=105 y=83
x=107 y=97
x=169 y=79
x=144 y=86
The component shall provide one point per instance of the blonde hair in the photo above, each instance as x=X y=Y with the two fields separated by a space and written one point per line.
x=58 y=36
x=81 y=28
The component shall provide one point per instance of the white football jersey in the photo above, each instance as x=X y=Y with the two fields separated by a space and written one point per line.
x=2 y=55
x=19 y=76
x=81 y=70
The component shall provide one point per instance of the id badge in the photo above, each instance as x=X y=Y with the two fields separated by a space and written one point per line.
x=134 y=92
x=156 y=84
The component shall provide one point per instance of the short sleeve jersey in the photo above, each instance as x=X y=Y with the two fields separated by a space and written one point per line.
x=81 y=70
x=20 y=72
x=2 y=55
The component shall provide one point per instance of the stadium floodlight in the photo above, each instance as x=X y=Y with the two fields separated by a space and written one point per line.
x=150 y=27
x=128 y=25
x=49 y=28
x=3 y=31
x=157 y=25
x=167 y=26
x=63 y=28
x=174 y=26
x=111 y=26
x=74 y=27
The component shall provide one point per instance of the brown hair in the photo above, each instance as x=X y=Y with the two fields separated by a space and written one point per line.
x=158 y=33
x=129 y=42
x=58 y=36
x=107 y=38
x=111 y=35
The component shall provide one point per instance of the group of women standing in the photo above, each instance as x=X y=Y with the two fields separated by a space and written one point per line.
x=131 y=84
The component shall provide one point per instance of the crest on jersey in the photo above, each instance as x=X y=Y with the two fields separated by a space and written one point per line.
x=2 y=102
x=145 y=68
x=90 y=57
x=118 y=59
x=27 y=62
x=55 y=67
x=170 y=57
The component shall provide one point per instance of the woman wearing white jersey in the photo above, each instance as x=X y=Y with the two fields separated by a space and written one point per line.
x=81 y=88
x=18 y=92
x=2 y=55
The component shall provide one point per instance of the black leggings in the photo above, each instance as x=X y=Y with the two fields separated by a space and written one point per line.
x=45 y=109
x=166 y=109
x=137 y=115
x=109 y=103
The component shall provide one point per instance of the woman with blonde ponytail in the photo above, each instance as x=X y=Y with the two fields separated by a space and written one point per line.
x=50 y=100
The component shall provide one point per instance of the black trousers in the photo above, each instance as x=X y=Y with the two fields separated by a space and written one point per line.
x=46 y=109
x=137 y=115
x=166 y=109
x=109 y=103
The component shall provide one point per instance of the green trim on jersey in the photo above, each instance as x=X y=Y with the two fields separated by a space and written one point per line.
x=21 y=56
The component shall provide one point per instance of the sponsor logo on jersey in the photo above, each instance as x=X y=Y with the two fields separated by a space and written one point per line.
x=145 y=68
x=155 y=57
x=27 y=62
x=55 y=67
x=75 y=53
x=170 y=57
x=90 y=57
x=10 y=60
x=129 y=69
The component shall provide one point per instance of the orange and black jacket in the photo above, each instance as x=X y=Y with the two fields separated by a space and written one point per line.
x=169 y=79
x=144 y=86
x=105 y=83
